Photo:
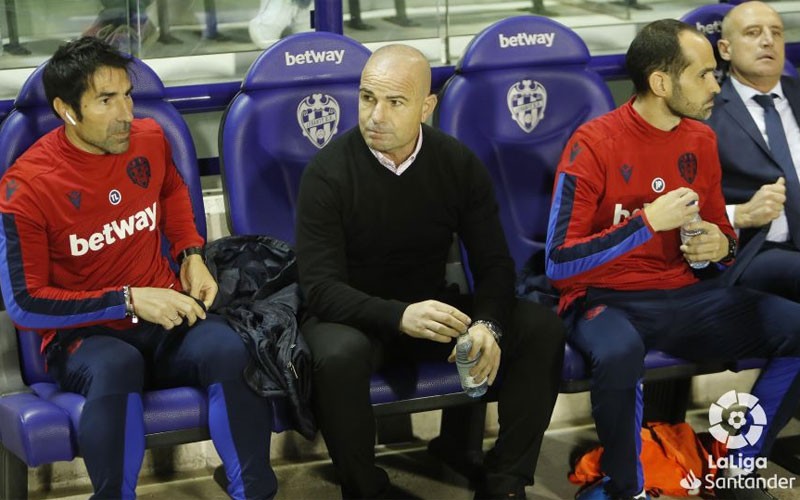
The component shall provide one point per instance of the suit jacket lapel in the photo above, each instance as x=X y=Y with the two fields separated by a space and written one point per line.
x=733 y=105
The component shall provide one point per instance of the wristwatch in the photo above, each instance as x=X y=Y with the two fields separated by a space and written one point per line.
x=731 y=250
x=189 y=251
x=491 y=326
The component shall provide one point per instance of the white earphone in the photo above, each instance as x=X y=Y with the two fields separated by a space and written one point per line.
x=70 y=118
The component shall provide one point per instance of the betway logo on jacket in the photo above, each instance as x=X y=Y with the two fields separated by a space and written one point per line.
x=522 y=39
x=143 y=220
x=620 y=214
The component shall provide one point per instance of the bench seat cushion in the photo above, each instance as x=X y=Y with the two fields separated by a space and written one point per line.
x=401 y=382
x=35 y=430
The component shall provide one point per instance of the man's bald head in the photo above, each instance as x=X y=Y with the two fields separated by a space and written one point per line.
x=404 y=59
x=740 y=13
x=752 y=42
x=394 y=98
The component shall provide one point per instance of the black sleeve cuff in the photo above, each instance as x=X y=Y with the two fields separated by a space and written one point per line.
x=190 y=251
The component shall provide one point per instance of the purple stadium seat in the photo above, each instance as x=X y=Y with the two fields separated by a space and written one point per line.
x=519 y=92
x=289 y=106
x=296 y=97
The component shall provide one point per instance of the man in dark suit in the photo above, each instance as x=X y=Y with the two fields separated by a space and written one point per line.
x=756 y=119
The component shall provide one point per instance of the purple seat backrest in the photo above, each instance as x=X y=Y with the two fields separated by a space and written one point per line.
x=32 y=117
x=708 y=21
x=32 y=362
x=519 y=92
x=296 y=97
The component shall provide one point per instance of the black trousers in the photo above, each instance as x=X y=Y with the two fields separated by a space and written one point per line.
x=344 y=359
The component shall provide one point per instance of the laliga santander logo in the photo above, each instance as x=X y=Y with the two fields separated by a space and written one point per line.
x=729 y=422
x=691 y=483
x=737 y=420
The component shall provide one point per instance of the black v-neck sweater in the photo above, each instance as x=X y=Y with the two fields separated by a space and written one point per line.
x=370 y=242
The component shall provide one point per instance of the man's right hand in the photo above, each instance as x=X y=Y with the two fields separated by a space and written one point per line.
x=672 y=210
x=434 y=320
x=165 y=307
x=764 y=207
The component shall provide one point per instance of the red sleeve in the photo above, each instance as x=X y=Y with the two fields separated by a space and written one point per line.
x=178 y=221
x=573 y=245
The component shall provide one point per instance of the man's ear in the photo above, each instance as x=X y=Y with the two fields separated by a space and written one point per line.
x=724 y=47
x=428 y=105
x=660 y=83
x=64 y=110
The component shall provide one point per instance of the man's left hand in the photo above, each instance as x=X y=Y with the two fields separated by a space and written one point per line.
x=711 y=245
x=197 y=280
x=482 y=341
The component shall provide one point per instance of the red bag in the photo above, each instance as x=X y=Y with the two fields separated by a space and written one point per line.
x=675 y=461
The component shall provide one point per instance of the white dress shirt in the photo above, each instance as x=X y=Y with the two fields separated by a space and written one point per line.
x=399 y=169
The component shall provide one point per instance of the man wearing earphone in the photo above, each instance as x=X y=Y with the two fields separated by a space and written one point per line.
x=81 y=263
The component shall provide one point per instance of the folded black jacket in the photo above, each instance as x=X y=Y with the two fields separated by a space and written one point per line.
x=259 y=296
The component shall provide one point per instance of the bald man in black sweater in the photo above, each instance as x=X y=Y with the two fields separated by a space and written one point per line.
x=377 y=211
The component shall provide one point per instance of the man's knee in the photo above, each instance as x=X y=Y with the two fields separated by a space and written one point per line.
x=775 y=271
x=538 y=328
x=612 y=346
x=116 y=368
x=339 y=349
x=220 y=351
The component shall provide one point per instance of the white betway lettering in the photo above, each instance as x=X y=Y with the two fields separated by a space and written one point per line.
x=314 y=57
x=114 y=231
x=620 y=214
x=709 y=29
x=522 y=39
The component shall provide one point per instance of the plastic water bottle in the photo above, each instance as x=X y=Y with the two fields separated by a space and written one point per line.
x=687 y=234
x=473 y=388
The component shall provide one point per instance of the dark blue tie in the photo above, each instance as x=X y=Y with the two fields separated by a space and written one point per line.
x=780 y=152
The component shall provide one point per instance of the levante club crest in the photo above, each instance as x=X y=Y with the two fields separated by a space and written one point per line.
x=318 y=116
x=527 y=100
